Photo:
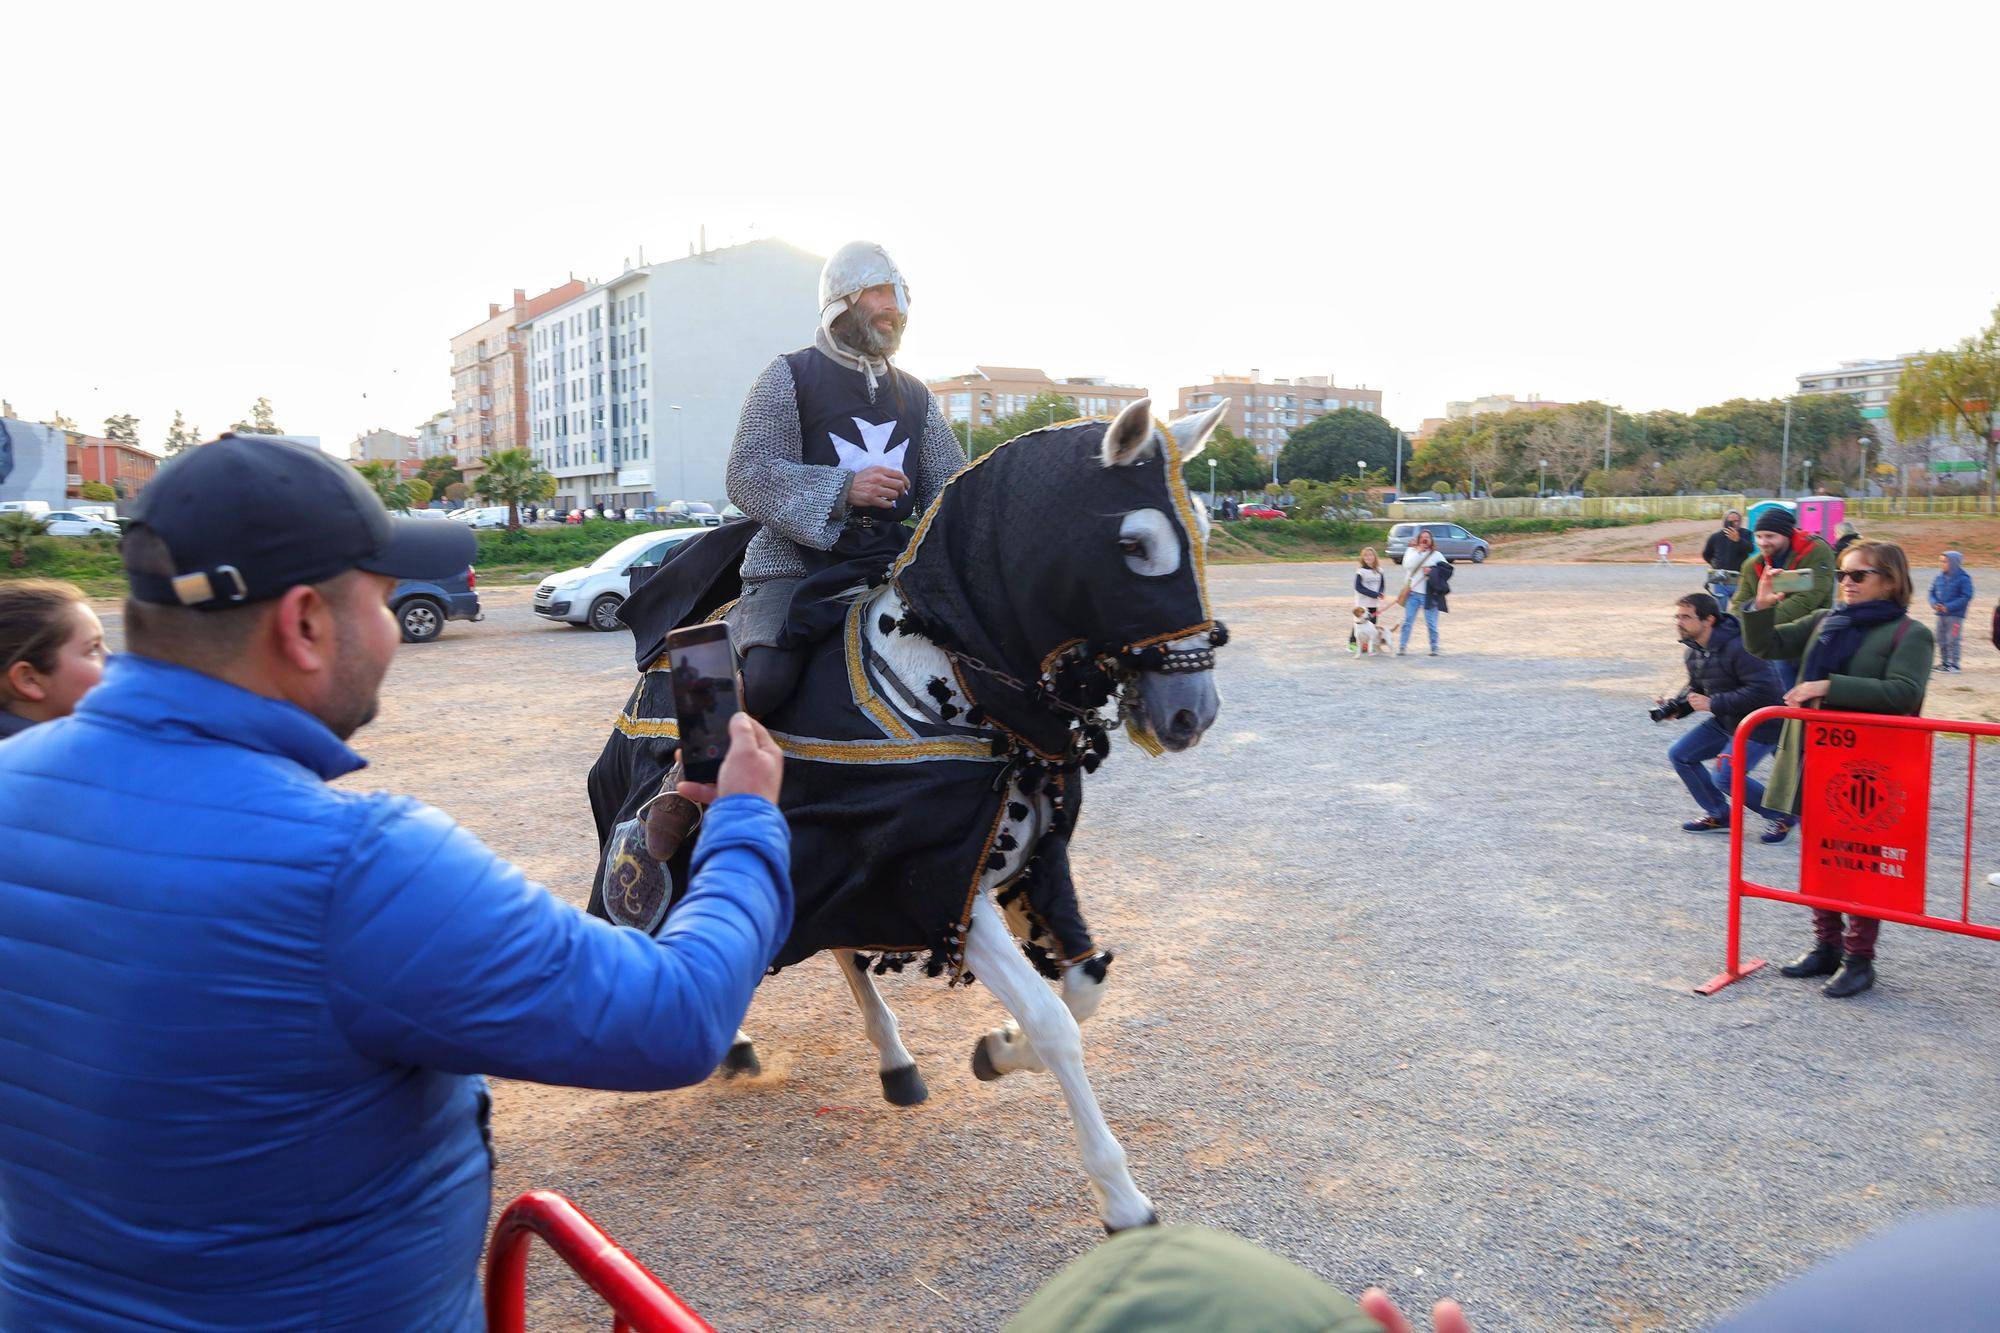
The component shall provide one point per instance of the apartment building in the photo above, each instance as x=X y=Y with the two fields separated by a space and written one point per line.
x=1267 y=412
x=1494 y=403
x=386 y=446
x=489 y=397
x=1870 y=383
x=438 y=436
x=125 y=468
x=985 y=394
x=635 y=385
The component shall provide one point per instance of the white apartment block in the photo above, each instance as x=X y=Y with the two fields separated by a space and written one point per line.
x=1870 y=383
x=635 y=386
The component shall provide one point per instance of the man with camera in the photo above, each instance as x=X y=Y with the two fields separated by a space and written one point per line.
x=1801 y=568
x=1724 y=553
x=1726 y=684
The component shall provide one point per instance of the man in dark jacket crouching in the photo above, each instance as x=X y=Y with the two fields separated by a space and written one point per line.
x=1725 y=684
x=247 y=1012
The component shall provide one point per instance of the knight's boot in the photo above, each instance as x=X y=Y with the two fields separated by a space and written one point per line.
x=668 y=818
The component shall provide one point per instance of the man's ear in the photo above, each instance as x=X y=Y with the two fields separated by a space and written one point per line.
x=300 y=629
x=25 y=682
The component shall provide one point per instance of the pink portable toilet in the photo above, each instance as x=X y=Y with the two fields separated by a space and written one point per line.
x=1821 y=514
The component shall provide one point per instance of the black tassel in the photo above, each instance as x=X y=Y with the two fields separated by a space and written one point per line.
x=939 y=689
x=887 y=624
x=1090 y=763
x=995 y=861
x=1031 y=781
x=1016 y=811
x=1007 y=842
x=975 y=716
x=947 y=711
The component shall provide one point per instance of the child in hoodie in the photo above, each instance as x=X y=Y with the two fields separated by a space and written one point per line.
x=1950 y=595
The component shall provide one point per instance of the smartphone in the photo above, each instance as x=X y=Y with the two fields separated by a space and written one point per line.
x=703 y=669
x=1792 y=580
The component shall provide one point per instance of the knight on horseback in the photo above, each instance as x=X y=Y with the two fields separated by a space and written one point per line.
x=835 y=448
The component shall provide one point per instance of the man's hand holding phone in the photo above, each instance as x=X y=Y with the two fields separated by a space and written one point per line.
x=754 y=766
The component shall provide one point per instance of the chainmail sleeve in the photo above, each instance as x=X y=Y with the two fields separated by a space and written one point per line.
x=797 y=503
x=943 y=457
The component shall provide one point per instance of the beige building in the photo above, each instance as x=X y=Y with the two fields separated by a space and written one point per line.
x=1266 y=413
x=1871 y=384
x=489 y=380
x=1496 y=403
x=386 y=446
x=985 y=394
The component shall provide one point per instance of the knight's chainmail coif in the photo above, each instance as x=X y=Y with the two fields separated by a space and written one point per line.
x=797 y=503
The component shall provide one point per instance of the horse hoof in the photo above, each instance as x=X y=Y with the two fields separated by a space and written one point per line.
x=741 y=1061
x=1152 y=1220
x=983 y=1068
x=904 y=1087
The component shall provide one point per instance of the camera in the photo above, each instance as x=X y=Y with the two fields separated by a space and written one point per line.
x=1670 y=710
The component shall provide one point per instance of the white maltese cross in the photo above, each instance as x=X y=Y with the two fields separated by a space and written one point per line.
x=873 y=451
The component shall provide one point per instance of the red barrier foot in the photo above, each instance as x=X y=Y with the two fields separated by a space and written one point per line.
x=1721 y=979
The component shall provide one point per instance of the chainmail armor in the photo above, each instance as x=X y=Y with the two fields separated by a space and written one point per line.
x=802 y=504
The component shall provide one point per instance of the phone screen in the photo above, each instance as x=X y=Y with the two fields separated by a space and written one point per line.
x=704 y=677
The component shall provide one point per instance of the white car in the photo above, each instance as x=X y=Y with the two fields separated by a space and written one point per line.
x=591 y=594
x=487 y=516
x=69 y=523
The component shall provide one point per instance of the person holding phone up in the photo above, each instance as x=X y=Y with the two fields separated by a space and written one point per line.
x=1866 y=656
x=1809 y=588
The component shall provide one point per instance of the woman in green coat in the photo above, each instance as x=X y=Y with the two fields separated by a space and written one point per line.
x=1865 y=655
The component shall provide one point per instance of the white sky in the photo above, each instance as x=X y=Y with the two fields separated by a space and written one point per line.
x=1660 y=207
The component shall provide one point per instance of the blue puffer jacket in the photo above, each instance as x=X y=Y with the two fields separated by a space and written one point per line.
x=1952 y=588
x=246 y=1013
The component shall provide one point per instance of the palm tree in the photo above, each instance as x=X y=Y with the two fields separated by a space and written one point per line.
x=17 y=529
x=389 y=488
x=513 y=478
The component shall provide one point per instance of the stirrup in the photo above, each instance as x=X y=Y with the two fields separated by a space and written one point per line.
x=669 y=816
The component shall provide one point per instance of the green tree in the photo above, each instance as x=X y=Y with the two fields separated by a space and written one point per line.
x=181 y=437
x=17 y=532
x=1328 y=448
x=440 y=470
x=1043 y=410
x=122 y=429
x=512 y=478
x=263 y=421
x=457 y=491
x=419 y=491
x=1238 y=466
x=391 y=489
x=98 y=493
x=1955 y=391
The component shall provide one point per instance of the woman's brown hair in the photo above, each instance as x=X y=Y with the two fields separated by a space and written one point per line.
x=1888 y=559
x=35 y=622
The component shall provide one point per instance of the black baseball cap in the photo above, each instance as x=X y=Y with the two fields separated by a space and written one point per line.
x=248 y=516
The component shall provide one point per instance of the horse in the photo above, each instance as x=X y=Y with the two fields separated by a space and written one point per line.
x=936 y=745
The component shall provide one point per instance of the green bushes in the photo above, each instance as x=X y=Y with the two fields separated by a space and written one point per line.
x=89 y=562
x=553 y=548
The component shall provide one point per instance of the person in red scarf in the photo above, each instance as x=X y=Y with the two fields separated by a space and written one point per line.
x=1780 y=545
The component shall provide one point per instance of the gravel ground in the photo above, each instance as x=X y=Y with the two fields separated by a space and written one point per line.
x=1406 y=950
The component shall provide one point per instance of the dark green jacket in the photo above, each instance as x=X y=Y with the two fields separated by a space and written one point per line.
x=1165 y=1279
x=1886 y=675
x=1807 y=552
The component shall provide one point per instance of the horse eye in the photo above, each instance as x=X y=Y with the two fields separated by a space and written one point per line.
x=1131 y=545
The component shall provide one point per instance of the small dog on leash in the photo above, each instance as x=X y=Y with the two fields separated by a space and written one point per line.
x=1368 y=636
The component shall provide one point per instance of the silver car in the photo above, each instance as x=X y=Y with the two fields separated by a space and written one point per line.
x=1453 y=542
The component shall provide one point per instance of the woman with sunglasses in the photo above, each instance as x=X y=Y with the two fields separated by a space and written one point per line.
x=1865 y=655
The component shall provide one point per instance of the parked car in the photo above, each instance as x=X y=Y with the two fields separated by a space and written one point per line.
x=1258 y=511
x=591 y=594
x=69 y=523
x=1453 y=542
x=422 y=606
x=688 y=511
x=483 y=516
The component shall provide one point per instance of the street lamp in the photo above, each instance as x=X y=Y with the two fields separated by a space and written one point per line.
x=1805 y=464
x=1542 y=478
x=680 y=447
x=967 y=382
x=1211 y=485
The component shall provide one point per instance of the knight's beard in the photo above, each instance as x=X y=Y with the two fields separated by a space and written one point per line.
x=858 y=335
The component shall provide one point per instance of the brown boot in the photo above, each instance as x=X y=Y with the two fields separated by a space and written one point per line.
x=668 y=818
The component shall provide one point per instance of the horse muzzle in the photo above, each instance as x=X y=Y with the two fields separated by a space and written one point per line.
x=1178 y=707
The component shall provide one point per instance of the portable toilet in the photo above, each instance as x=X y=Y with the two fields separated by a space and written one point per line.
x=1758 y=510
x=1821 y=514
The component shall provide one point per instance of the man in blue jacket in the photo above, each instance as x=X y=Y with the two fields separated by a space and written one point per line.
x=1726 y=684
x=1950 y=595
x=247 y=1013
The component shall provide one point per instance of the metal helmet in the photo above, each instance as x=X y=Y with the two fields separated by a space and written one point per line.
x=855 y=267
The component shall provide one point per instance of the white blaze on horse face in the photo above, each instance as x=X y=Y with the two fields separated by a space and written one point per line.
x=1130 y=438
x=1151 y=543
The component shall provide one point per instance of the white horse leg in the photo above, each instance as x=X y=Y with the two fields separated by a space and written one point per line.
x=901 y=1083
x=741 y=1057
x=1003 y=1050
x=1051 y=1031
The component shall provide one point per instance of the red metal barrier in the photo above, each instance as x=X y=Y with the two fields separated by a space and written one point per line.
x=638 y=1300
x=1864 y=826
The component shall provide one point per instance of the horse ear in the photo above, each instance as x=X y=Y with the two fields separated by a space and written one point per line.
x=1191 y=433
x=1130 y=437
